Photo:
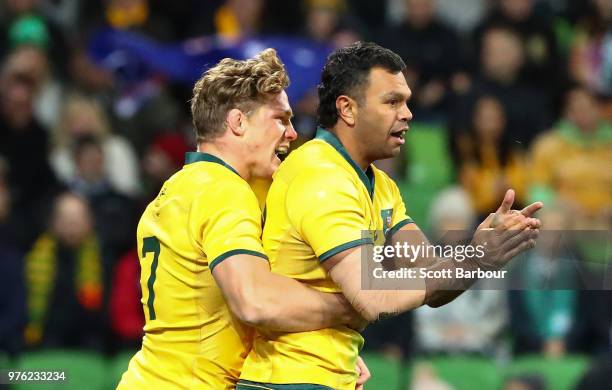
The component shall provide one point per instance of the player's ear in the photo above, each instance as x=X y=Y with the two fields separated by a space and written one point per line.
x=346 y=108
x=235 y=121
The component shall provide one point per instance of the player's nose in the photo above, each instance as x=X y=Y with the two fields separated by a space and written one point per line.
x=290 y=133
x=405 y=115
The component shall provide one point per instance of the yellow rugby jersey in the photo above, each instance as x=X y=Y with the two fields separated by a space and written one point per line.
x=319 y=204
x=203 y=214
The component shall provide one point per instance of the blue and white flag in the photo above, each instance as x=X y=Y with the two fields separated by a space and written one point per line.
x=134 y=57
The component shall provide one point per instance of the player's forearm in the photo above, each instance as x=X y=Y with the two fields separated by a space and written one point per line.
x=440 y=291
x=261 y=298
x=290 y=306
x=375 y=305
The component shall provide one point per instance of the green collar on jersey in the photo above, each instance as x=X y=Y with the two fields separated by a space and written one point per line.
x=367 y=177
x=191 y=157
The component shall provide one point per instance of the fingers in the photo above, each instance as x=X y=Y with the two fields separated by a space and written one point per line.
x=523 y=246
x=535 y=223
x=513 y=222
x=506 y=204
x=506 y=221
x=487 y=223
x=515 y=240
x=531 y=209
x=363 y=371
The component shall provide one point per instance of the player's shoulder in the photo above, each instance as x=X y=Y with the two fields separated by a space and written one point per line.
x=316 y=161
x=382 y=179
x=208 y=184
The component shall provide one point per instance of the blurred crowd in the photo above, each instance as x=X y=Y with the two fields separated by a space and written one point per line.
x=519 y=90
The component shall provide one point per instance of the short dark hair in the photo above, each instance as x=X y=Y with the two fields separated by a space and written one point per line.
x=346 y=73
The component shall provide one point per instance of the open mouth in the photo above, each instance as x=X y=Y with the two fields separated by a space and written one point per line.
x=399 y=134
x=281 y=152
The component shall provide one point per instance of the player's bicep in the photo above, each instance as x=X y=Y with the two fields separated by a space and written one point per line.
x=345 y=270
x=411 y=235
x=237 y=277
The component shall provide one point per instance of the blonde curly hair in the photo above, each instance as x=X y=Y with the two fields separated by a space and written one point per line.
x=241 y=84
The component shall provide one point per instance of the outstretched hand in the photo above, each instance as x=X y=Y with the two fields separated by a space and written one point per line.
x=508 y=232
x=505 y=210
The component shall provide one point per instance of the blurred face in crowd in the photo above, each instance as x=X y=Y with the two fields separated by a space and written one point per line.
x=17 y=91
x=582 y=109
x=20 y=79
x=268 y=132
x=517 y=9
x=247 y=12
x=157 y=165
x=90 y=162
x=81 y=118
x=32 y=61
x=420 y=12
x=71 y=221
x=321 y=22
x=381 y=118
x=489 y=119
x=502 y=55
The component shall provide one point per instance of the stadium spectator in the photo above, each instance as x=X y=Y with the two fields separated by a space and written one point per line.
x=164 y=157
x=464 y=15
x=29 y=37
x=12 y=290
x=489 y=163
x=134 y=15
x=238 y=18
x=502 y=58
x=327 y=22
x=538 y=38
x=433 y=54
x=114 y=214
x=322 y=18
x=543 y=311
x=24 y=144
x=590 y=61
x=23 y=23
x=564 y=159
x=64 y=281
x=84 y=116
x=475 y=320
x=125 y=309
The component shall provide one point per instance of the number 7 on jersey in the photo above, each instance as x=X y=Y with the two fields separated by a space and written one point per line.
x=151 y=244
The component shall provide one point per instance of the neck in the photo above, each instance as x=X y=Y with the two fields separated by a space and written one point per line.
x=229 y=155
x=346 y=136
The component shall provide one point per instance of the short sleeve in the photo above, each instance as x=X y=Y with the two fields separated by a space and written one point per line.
x=226 y=222
x=400 y=216
x=325 y=209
